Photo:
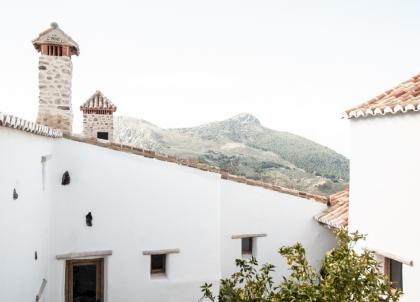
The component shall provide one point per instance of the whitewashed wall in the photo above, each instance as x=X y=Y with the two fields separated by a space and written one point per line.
x=284 y=218
x=24 y=223
x=384 y=189
x=137 y=204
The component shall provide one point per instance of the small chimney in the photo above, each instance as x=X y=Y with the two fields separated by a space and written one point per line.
x=98 y=118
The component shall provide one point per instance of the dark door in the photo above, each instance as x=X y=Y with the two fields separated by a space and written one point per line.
x=84 y=280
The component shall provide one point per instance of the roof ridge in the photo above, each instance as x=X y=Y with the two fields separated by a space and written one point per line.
x=201 y=166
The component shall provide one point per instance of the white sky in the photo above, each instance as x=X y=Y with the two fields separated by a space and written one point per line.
x=296 y=65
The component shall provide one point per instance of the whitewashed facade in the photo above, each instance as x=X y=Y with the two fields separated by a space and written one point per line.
x=384 y=178
x=138 y=204
x=385 y=171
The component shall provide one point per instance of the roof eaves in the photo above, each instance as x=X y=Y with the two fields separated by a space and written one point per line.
x=381 y=111
x=10 y=121
x=405 y=97
x=336 y=215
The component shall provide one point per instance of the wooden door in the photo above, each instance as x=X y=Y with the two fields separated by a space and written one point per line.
x=85 y=280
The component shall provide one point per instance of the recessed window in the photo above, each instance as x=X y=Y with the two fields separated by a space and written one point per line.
x=247 y=246
x=102 y=135
x=394 y=271
x=158 y=264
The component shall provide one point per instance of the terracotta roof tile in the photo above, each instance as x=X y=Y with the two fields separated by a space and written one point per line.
x=337 y=214
x=10 y=121
x=98 y=102
x=402 y=98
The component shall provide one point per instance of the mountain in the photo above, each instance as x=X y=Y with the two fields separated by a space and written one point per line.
x=244 y=147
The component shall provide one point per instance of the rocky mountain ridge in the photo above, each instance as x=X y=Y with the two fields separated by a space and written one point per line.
x=244 y=147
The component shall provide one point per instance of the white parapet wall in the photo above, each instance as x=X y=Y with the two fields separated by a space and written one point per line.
x=140 y=206
x=274 y=220
x=25 y=221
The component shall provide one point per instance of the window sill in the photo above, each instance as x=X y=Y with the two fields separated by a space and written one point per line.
x=247 y=255
x=158 y=276
x=101 y=140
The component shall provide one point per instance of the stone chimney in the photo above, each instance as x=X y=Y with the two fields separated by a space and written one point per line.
x=55 y=76
x=98 y=119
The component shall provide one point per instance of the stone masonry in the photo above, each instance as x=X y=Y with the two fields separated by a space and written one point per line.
x=94 y=123
x=55 y=109
x=98 y=116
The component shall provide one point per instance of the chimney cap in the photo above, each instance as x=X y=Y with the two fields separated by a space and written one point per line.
x=98 y=102
x=55 y=36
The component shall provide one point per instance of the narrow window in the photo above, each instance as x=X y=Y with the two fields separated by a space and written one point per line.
x=394 y=271
x=102 y=135
x=247 y=246
x=158 y=264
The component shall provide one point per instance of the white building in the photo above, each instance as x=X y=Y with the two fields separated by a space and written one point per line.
x=142 y=204
x=385 y=173
x=87 y=220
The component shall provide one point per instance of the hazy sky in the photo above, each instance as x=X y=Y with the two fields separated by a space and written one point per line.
x=296 y=65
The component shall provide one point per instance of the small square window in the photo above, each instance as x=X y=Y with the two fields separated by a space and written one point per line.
x=158 y=264
x=247 y=246
x=102 y=135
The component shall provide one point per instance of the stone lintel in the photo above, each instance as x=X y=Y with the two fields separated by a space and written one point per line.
x=240 y=236
x=161 y=252
x=405 y=261
x=92 y=254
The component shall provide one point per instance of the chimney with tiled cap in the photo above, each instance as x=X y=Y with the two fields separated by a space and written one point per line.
x=55 y=76
x=98 y=119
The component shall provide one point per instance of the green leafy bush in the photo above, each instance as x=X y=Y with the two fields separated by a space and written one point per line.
x=345 y=276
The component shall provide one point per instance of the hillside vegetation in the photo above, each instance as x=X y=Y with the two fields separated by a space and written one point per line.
x=244 y=147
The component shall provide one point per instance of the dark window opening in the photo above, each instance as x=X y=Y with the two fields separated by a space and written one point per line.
x=158 y=264
x=394 y=271
x=54 y=50
x=247 y=246
x=102 y=135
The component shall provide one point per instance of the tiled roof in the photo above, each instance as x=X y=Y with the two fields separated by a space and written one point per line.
x=402 y=98
x=204 y=167
x=54 y=35
x=337 y=214
x=10 y=121
x=98 y=102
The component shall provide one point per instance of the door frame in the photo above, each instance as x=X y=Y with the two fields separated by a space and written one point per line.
x=70 y=264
